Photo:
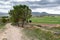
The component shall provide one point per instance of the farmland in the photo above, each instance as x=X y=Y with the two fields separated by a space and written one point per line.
x=46 y=20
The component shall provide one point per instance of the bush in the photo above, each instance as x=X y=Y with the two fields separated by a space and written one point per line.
x=3 y=20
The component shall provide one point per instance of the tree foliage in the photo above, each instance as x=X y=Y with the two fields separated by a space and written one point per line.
x=20 y=13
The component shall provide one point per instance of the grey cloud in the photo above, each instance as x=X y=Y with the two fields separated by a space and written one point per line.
x=5 y=8
x=15 y=3
x=42 y=3
x=5 y=4
x=45 y=4
x=4 y=0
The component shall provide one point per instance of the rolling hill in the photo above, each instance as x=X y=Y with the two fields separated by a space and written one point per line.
x=43 y=14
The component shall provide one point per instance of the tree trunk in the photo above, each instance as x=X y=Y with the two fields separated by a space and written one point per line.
x=18 y=25
x=23 y=23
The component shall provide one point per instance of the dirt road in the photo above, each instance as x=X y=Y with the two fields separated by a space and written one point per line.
x=12 y=33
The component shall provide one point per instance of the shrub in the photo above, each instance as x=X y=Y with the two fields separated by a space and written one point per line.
x=3 y=20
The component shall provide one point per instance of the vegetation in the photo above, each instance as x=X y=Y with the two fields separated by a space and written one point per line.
x=4 y=16
x=56 y=29
x=3 y=20
x=39 y=34
x=20 y=13
x=46 y=20
x=2 y=25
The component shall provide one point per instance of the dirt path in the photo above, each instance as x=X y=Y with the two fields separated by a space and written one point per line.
x=11 y=33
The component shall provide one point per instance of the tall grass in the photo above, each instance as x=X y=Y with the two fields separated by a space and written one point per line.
x=40 y=34
x=2 y=25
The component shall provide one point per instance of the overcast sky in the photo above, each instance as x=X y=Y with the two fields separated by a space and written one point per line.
x=49 y=6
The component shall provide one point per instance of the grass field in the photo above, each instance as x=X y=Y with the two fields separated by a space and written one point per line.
x=48 y=20
x=38 y=34
x=2 y=26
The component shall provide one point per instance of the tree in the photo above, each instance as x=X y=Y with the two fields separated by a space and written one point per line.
x=3 y=20
x=20 y=13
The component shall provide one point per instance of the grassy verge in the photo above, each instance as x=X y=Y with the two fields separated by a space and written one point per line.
x=37 y=34
x=2 y=26
x=57 y=29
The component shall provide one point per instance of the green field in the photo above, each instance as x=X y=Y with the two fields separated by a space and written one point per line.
x=48 y=20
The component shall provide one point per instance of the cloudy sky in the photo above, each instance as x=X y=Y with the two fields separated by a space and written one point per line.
x=49 y=6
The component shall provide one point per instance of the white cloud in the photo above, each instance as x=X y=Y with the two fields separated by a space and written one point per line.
x=5 y=6
x=3 y=2
x=4 y=10
x=25 y=0
x=48 y=10
x=51 y=0
x=57 y=8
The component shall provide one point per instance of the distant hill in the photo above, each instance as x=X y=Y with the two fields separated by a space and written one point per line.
x=33 y=14
x=43 y=14
x=54 y=14
x=39 y=14
x=3 y=14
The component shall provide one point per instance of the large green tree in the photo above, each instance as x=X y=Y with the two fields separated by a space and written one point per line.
x=20 y=13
